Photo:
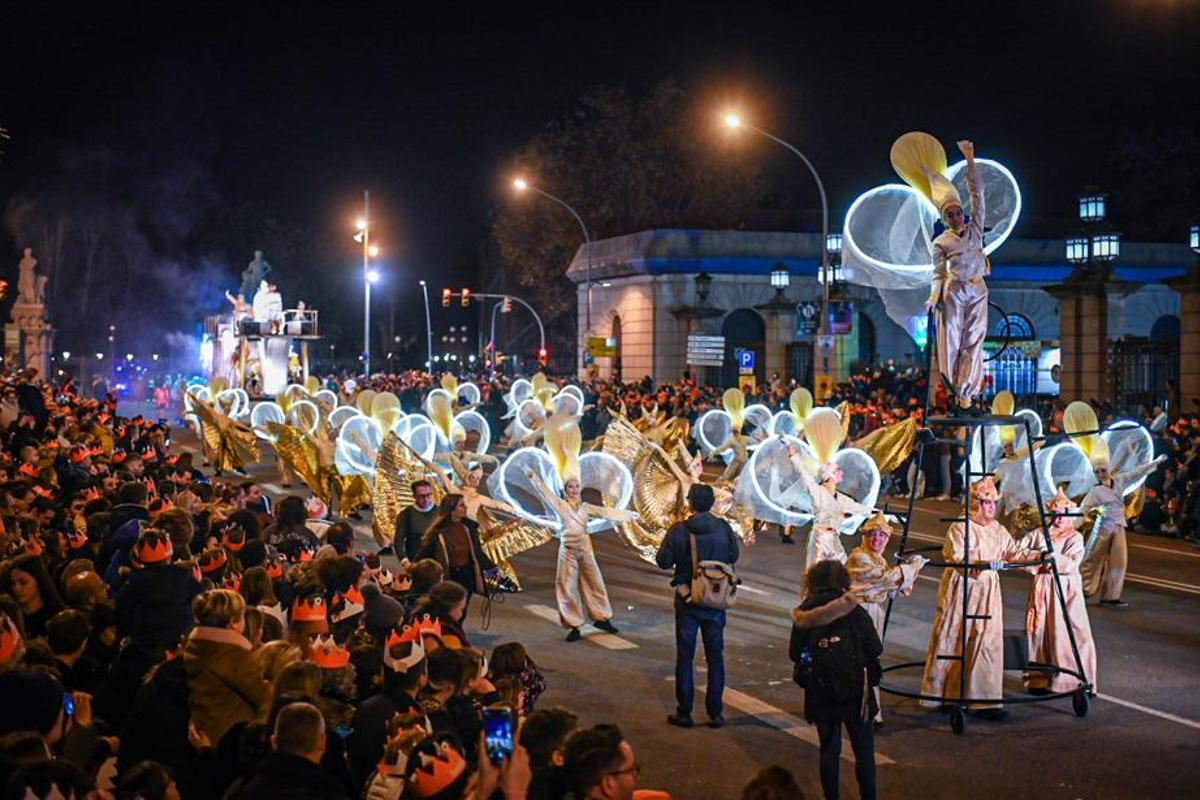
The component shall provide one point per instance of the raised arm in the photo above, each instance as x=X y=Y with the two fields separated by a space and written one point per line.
x=974 y=189
x=614 y=514
x=1133 y=475
x=683 y=478
x=548 y=495
x=460 y=469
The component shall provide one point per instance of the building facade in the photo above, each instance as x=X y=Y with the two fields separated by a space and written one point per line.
x=651 y=290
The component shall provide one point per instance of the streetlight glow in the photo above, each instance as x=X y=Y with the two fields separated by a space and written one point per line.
x=732 y=120
x=372 y=276
x=66 y=355
x=360 y=224
x=520 y=185
x=373 y=250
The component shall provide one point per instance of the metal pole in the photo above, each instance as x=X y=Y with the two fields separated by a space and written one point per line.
x=824 y=326
x=428 y=329
x=492 y=334
x=587 y=239
x=366 y=283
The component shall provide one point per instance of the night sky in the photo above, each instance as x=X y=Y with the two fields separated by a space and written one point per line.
x=297 y=111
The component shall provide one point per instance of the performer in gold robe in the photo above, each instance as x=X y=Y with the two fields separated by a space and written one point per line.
x=992 y=549
x=873 y=581
x=1045 y=621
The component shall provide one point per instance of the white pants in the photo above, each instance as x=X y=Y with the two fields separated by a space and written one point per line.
x=578 y=585
x=1104 y=562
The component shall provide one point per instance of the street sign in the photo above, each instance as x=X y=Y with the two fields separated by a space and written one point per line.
x=600 y=347
x=745 y=358
x=705 y=351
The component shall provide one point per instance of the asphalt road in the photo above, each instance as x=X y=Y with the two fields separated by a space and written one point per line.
x=1139 y=739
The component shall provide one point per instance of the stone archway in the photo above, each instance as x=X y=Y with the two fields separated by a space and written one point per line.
x=743 y=329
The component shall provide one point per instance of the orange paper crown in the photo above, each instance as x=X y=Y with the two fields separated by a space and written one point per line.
x=153 y=548
x=301 y=556
x=274 y=569
x=233 y=538
x=327 y=654
x=427 y=626
x=77 y=540
x=28 y=470
x=212 y=560
x=343 y=606
x=232 y=582
x=434 y=772
x=403 y=649
x=309 y=609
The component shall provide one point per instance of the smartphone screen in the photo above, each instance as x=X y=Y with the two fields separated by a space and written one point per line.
x=498 y=733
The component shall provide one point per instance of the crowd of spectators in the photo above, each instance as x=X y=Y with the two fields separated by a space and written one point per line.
x=166 y=634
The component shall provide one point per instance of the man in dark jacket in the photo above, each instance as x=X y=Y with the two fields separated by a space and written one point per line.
x=715 y=541
x=412 y=523
x=293 y=770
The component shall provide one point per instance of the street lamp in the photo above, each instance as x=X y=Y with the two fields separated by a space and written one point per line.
x=522 y=185
x=1194 y=238
x=780 y=279
x=734 y=122
x=1078 y=249
x=1093 y=207
x=370 y=276
x=1106 y=246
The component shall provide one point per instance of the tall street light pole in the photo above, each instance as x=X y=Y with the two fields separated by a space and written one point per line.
x=428 y=330
x=369 y=276
x=521 y=185
x=735 y=122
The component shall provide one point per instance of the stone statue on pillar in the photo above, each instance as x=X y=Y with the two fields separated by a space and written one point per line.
x=254 y=273
x=29 y=316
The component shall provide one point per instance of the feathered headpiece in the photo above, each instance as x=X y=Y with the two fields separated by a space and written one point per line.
x=564 y=441
x=920 y=160
x=801 y=401
x=1003 y=405
x=1080 y=423
x=734 y=403
x=823 y=430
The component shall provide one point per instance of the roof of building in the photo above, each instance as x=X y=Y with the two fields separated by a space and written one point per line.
x=670 y=251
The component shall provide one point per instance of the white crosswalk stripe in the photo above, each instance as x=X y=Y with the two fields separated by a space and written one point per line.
x=606 y=640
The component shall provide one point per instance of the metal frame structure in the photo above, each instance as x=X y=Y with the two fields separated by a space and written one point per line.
x=961 y=704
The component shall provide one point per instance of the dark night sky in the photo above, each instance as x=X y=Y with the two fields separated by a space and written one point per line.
x=298 y=110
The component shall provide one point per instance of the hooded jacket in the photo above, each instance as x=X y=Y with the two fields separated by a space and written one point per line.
x=835 y=614
x=224 y=687
x=715 y=541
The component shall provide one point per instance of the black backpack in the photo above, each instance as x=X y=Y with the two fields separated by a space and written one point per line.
x=829 y=661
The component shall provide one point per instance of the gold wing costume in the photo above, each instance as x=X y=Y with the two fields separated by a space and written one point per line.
x=227 y=443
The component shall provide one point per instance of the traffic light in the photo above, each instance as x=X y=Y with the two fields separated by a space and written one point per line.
x=506 y=306
x=466 y=297
x=446 y=293
x=543 y=357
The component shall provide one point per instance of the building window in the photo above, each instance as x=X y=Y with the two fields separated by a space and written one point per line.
x=1014 y=327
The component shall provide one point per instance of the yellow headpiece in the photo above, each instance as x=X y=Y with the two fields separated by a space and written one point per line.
x=1003 y=405
x=879 y=522
x=312 y=384
x=823 y=430
x=1080 y=423
x=385 y=410
x=734 y=403
x=441 y=413
x=450 y=384
x=920 y=160
x=363 y=401
x=801 y=402
x=564 y=441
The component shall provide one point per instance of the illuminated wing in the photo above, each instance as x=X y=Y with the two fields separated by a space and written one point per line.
x=392 y=492
x=890 y=446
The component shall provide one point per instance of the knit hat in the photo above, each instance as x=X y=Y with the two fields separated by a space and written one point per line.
x=381 y=611
x=32 y=701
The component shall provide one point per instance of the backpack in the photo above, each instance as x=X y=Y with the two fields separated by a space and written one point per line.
x=830 y=663
x=714 y=583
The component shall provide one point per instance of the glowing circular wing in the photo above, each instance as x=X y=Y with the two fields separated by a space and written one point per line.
x=885 y=239
x=341 y=415
x=435 y=392
x=1063 y=465
x=264 y=412
x=760 y=417
x=520 y=391
x=230 y=402
x=860 y=481
x=713 y=429
x=530 y=415
x=291 y=393
x=363 y=400
x=784 y=423
x=358 y=446
x=575 y=390
x=327 y=400
x=1001 y=195
x=468 y=394
x=420 y=434
x=612 y=479
x=510 y=483
x=474 y=422
x=770 y=485
x=305 y=415
x=1035 y=428
x=567 y=403
x=1129 y=446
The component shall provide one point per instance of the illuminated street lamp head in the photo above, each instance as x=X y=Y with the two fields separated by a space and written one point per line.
x=732 y=120
x=360 y=224
x=520 y=184
x=372 y=276
x=373 y=250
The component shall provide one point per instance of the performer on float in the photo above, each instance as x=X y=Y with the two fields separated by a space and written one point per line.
x=958 y=292
x=873 y=581
x=1107 y=554
x=992 y=549
x=578 y=583
x=824 y=433
x=1045 y=622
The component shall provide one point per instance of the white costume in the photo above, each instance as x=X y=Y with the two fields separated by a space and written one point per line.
x=1107 y=554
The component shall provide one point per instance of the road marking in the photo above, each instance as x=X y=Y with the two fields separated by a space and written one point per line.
x=788 y=723
x=751 y=589
x=1166 y=550
x=1191 y=723
x=274 y=487
x=606 y=640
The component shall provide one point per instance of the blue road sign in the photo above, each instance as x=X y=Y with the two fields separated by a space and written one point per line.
x=746 y=359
